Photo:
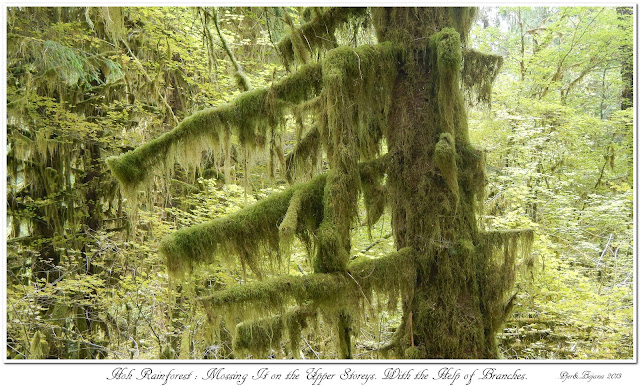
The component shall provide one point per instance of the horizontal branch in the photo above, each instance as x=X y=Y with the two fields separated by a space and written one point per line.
x=248 y=233
x=249 y=115
x=391 y=274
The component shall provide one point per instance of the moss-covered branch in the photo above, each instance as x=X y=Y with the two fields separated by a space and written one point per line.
x=249 y=116
x=248 y=233
x=479 y=71
x=391 y=275
x=315 y=34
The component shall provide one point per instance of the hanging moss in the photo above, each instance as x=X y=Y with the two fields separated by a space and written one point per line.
x=373 y=191
x=500 y=249
x=249 y=116
x=445 y=160
x=262 y=336
x=316 y=34
x=38 y=347
x=258 y=338
x=304 y=155
x=479 y=71
x=334 y=293
x=273 y=296
x=356 y=99
x=392 y=274
x=446 y=48
x=248 y=234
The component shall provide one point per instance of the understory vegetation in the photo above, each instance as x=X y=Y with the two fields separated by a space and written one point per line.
x=231 y=183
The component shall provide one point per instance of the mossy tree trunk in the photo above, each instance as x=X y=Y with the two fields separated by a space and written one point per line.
x=433 y=178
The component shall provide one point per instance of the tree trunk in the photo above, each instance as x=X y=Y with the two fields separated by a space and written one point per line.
x=626 y=53
x=432 y=194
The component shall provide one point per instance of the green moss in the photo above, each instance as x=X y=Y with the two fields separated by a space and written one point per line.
x=391 y=275
x=373 y=190
x=38 y=346
x=501 y=251
x=445 y=160
x=479 y=71
x=249 y=117
x=275 y=295
x=356 y=103
x=248 y=234
x=304 y=155
x=263 y=336
x=413 y=352
x=289 y=224
x=316 y=34
x=242 y=80
x=258 y=338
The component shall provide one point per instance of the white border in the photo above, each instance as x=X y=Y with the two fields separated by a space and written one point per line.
x=71 y=372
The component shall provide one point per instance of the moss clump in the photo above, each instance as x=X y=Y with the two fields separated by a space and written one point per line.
x=38 y=346
x=373 y=190
x=413 y=352
x=479 y=71
x=258 y=338
x=445 y=160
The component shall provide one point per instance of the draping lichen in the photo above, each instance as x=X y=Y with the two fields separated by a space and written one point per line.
x=479 y=71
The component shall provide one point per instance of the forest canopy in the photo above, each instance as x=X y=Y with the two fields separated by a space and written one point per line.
x=319 y=183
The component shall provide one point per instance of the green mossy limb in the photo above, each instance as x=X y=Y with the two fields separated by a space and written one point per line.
x=272 y=296
x=392 y=274
x=248 y=233
x=479 y=71
x=289 y=224
x=316 y=34
x=249 y=117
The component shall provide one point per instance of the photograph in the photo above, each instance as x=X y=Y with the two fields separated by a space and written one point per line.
x=328 y=194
